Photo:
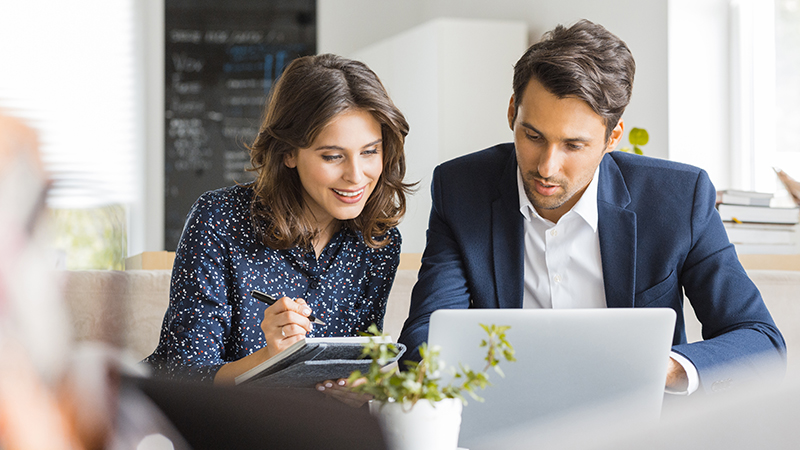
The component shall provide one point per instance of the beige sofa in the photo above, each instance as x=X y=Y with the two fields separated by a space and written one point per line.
x=126 y=308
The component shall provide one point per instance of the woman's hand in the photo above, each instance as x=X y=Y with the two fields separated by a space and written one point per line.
x=285 y=322
x=341 y=391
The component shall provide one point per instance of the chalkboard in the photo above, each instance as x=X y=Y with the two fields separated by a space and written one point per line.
x=222 y=58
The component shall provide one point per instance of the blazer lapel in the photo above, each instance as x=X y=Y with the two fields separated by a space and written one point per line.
x=508 y=246
x=617 y=232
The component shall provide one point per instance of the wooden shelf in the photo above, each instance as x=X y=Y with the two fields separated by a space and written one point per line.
x=150 y=261
x=770 y=262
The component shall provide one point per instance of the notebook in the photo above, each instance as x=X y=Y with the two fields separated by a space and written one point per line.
x=567 y=360
x=312 y=360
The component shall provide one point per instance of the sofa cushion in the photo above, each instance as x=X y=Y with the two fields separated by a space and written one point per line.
x=123 y=309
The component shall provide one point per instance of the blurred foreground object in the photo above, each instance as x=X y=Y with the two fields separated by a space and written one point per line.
x=55 y=394
x=753 y=414
x=31 y=312
x=51 y=396
x=34 y=331
x=792 y=186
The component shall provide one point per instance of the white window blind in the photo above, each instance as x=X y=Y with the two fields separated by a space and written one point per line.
x=68 y=70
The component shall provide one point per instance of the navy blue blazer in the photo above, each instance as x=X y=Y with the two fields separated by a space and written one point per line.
x=660 y=236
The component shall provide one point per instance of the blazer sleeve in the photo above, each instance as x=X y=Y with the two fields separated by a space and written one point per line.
x=740 y=337
x=442 y=280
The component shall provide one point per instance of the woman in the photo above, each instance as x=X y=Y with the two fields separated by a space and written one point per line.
x=316 y=229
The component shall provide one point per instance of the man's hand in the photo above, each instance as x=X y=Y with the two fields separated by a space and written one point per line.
x=676 y=377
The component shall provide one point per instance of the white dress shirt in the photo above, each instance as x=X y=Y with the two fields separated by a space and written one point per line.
x=563 y=267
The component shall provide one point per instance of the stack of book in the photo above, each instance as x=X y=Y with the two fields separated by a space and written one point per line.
x=755 y=227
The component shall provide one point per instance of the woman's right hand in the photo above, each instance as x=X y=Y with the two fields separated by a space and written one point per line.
x=285 y=322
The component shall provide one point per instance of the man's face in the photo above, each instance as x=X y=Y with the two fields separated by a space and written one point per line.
x=559 y=143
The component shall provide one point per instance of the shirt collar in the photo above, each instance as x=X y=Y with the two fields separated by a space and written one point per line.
x=585 y=208
x=587 y=204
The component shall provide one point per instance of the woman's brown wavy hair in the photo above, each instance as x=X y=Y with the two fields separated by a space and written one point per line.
x=308 y=95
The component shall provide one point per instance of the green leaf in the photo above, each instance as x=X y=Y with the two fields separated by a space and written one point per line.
x=420 y=380
x=638 y=136
x=637 y=150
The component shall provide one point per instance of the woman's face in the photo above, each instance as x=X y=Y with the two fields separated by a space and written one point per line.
x=340 y=169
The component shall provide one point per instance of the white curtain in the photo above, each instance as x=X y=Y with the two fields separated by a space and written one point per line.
x=68 y=69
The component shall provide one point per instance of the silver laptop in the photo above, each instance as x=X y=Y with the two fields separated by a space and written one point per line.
x=567 y=361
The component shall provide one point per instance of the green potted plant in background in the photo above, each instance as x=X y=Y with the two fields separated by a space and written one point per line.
x=415 y=409
x=638 y=137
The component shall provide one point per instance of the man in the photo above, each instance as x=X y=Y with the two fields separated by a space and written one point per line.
x=558 y=220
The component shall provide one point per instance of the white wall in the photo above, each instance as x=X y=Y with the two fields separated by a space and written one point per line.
x=446 y=75
x=699 y=86
x=148 y=215
x=641 y=24
x=344 y=26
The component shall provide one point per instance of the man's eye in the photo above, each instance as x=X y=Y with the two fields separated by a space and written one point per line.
x=533 y=137
x=574 y=146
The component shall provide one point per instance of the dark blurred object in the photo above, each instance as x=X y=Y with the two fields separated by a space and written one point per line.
x=214 y=417
x=792 y=186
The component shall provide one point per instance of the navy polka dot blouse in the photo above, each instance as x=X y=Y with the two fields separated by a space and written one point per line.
x=212 y=319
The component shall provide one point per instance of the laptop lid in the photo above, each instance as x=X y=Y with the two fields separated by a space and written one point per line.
x=567 y=360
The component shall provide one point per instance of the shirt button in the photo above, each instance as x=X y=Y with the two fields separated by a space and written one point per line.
x=554 y=232
x=557 y=278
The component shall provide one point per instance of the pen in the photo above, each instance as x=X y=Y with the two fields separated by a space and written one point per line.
x=268 y=299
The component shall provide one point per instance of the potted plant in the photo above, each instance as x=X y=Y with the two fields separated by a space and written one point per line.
x=409 y=422
x=638 y=137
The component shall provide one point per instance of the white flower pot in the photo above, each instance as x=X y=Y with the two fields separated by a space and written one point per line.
x=423 y=427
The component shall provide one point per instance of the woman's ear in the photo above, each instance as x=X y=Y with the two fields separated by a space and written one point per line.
x=290 y=159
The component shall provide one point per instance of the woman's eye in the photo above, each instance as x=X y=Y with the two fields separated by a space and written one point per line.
x=330 y=157
x=372 y=151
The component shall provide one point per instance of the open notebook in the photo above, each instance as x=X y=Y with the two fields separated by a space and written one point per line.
x=309 y=361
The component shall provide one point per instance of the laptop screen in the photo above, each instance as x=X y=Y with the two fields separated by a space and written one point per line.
x=567 y=360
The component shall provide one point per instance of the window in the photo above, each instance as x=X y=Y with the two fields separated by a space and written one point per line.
x=766 y=95
x=69 y=71
x=787 y=74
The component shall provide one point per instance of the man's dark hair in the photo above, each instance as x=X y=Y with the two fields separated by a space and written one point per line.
x=584 y=61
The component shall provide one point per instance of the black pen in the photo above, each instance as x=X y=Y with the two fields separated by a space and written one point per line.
x=268 y=299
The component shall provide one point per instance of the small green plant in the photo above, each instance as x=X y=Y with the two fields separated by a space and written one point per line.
x=91 y=238
x=421 y=380
x=638 y=137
